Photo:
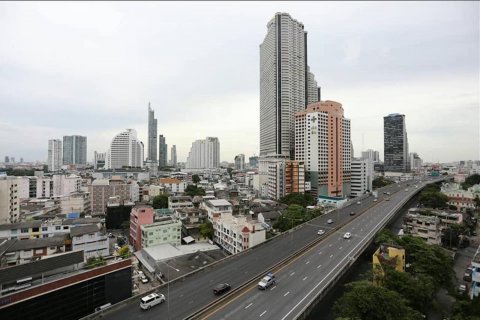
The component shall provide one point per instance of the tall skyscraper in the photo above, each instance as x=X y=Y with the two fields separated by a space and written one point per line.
x=162 y=152
x=54 y=161
x=75 y=150
x=204 y=154
x=173 y=156
x=286 y=84
x=125 y=151
x=322 y=142
x=395 y=143
x=152 y=135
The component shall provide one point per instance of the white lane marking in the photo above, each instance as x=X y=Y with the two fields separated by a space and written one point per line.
x=339 y=263
x=320 y=252
x=319 y=266
x=286 y=294
x=304 y=278
x=249 y=305
x=341 y=248
x=273 y=288
x=331 y=244
x=291 y=274
x=263 y=313
x=331 y=255
x=307 y=262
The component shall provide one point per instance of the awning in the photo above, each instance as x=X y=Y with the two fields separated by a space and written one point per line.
x=188 y=240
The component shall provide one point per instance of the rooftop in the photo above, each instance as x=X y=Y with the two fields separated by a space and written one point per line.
x=219 y=202
x=28 y=244
x=81 y=230
x=20 y=225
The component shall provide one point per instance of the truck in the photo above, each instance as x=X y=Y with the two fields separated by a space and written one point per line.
x=266 y=281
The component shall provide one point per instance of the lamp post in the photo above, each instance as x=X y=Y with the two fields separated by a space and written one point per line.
x=168 y=286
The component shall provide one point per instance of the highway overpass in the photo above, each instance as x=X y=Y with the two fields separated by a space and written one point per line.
x=306 y=265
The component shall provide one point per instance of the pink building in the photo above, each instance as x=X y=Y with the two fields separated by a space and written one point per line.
x=140 y=215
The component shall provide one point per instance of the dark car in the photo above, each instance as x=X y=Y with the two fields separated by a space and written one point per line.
x=352 y=213
x=221 y=288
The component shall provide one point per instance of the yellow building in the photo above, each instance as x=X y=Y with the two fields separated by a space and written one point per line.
x=387 y=255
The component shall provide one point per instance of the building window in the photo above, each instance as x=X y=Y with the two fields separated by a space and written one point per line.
x=24 y=230
x=44 y=228
x=57 y=228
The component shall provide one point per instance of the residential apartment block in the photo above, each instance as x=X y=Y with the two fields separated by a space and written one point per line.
x=395 y=143
x=55 y=154
x=163 y=230
x=9 y=200
x=462 y=199
x=125 y=151
x=362 y=177
x=204 y=154
x=103 y=189
x=139 y=216
x=75 y=150
x=322 y=142
x=173 y=185
x=90 y=239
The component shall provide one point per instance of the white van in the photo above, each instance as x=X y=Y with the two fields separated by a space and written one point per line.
x=151 y=300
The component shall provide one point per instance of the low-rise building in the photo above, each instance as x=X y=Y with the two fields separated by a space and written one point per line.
x=426 y=227
x=179 y=202
x=17 y=251
x=237 y=233
x=173 y=185
x=166 y=229
x=89 y=239
x=462 y=199
x=387 y=255
x=9 y=200
x=215 y=208
x=75 y=202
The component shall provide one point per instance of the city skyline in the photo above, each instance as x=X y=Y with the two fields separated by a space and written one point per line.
x=103 y=74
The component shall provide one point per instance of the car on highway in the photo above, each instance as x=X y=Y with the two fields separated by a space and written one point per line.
x=375 y=200
x=387 y=199
x=347 y=235
x=151 y=300
x=358 y=202
x=221 y=288
x=352 y=213
x=320 y=232
x=406 y=190
x=266 y=281
x=329 y=221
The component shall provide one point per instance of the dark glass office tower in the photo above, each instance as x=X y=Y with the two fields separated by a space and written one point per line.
x=395 y=143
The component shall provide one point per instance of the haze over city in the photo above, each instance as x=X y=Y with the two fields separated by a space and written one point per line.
x=199 y=69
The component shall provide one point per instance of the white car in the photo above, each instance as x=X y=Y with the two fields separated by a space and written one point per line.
x=151 y=300
x=358 y=202
x=347 y=235
x=329 y=221
x=320 y=232
x=374 y=200
x=266 y=282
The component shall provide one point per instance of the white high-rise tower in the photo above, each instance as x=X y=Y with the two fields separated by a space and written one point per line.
x=286 y=84
x=125 y=150
x=54 y=155
x=204 y=154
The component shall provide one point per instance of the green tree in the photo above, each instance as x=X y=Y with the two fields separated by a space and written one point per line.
x=366 y=301
x=451 y=237
x=229 y=170
x=466 y=309
x=294 y=215
x=302 y=199
x=381 y=182
x=433 y=199
x=124 y=252
x=94 y=262
x=417 y=291
x=206 y=229
x=476 y=200
x=471 y=181
x=193 y=190
x=195 y=178
x=160 y=201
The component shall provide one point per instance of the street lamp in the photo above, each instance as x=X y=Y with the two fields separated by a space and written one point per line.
x=168 y=286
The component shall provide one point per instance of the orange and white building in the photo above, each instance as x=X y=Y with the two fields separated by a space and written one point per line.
x=322 y=142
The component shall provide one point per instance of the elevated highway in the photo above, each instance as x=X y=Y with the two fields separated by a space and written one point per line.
x=306 y=265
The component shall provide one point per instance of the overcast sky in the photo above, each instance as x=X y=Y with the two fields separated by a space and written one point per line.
x=91 y=69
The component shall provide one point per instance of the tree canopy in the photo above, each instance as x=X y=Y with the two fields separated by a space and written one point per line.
x=471 y=181
x=366 y=301
x=302 y=199
x=193 y=190
x=160 y=201
x=294 y=215
x=206 y=229
x=195 y=178
x=381 y=182
x=433 y=199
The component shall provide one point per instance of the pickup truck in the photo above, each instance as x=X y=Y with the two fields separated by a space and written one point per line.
x=266 y=281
